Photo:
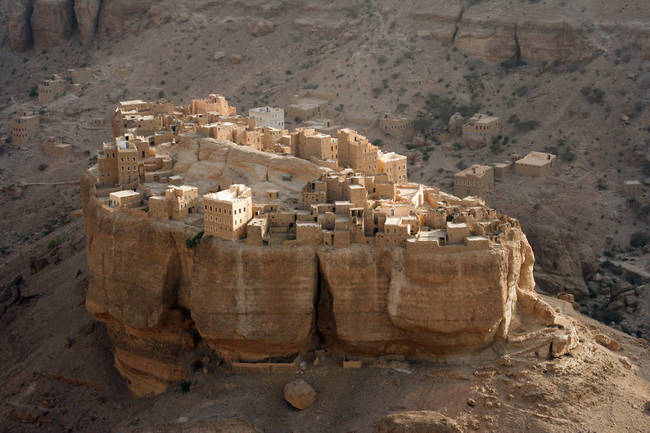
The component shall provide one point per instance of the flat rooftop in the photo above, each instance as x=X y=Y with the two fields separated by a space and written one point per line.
x=233 y=193
x=124 y=193
x=481 y=119
x=537 y=159
x=431 y=235
x=393 y=221
x=391 y=156
x=132 y=102
x=475 y=170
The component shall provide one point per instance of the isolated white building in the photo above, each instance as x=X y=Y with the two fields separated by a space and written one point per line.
x=267 y=116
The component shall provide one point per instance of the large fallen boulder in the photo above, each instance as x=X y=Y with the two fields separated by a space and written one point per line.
x=299 y=394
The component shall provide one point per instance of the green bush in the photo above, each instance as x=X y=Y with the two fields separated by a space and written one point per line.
x=193 y=242
x=54 y=243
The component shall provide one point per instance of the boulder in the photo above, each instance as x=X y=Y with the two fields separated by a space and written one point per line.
x=455 y=125
x=562 y=344
x=604 y=340
x=299 y=394
x=420 y=421
x=19 y=27
x=261 y=27
x=87 y=13
x=52 y=22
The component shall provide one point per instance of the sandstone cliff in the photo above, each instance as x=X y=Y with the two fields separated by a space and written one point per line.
x=157 y=296
x=19 y=28
x=52 y=22
x=87 y=13
x=493 y=31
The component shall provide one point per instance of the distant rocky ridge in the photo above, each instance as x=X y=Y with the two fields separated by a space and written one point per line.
x=490 y=31
x=251 y=303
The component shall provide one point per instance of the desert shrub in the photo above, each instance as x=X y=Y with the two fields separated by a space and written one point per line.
x=639 y=239
x=567 y=155
x=42 y=167
x=185 y=386
x=54 y=243
x=594 y=95
x=33 y=92
x=526 y=125
x=422 y=124
x=521 y=91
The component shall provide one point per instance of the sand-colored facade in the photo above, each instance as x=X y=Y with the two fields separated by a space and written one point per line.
x=481 y=129
x=397 y=126
x=476 y=180
x=24 y=127
x=535 y=164
x=125 y=199
x=226 y=213
x=50 y=89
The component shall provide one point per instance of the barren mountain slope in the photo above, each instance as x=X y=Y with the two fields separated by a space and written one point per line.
x=575 y=67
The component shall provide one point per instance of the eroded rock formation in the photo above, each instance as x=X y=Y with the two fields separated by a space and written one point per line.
x=19 y=26
x=158 y=296
x=492 y=31
x=52 y=22
x=87 y=13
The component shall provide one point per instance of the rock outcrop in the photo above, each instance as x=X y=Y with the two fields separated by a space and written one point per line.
x=417 y=421
x=496 y=31
x=87 y=14
x=52 y=22
x=19 y=27
x=122 y=16
x=261 y=27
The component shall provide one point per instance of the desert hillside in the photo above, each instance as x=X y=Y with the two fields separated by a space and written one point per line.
x=566 y=77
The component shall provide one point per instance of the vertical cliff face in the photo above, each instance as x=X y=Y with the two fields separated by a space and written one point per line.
x=398 y=301
x=157 y=297
x=254 y=302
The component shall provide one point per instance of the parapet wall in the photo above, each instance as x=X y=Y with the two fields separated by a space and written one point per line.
x=250 y=303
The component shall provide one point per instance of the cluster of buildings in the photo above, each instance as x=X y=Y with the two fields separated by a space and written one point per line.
x=26 y=124
x=362 y=196
x=478 y=180
x=52 y=88
x=139 y=127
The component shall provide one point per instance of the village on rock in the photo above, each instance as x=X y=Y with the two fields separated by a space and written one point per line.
x=362 y=195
